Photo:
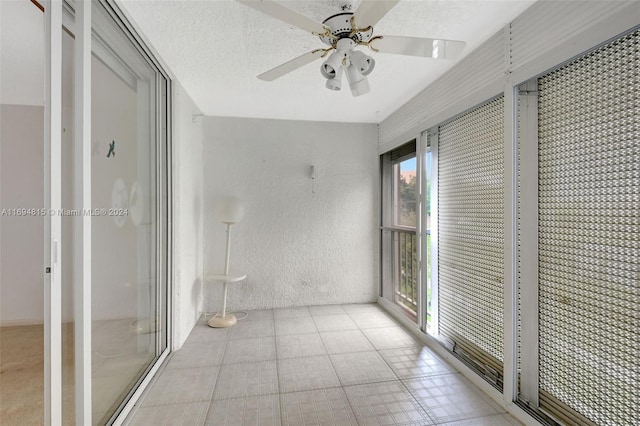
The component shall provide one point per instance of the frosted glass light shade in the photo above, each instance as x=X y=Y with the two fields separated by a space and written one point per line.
x=228 y=210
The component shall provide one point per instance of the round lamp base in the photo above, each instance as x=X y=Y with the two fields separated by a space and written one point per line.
x=221 y=322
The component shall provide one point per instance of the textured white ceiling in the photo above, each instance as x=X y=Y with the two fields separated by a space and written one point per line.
x=217 y=48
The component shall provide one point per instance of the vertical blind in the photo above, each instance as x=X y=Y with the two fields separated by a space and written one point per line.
x=471 y=234
x=589 y=236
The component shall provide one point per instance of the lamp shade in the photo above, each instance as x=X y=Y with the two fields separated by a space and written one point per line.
x=329 y=68
x=358 y=83
x=363 y=63
x=335 y=83
x=228 y=210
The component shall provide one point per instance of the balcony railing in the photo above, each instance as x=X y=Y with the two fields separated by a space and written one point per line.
x=405 y=243
x=406 y=270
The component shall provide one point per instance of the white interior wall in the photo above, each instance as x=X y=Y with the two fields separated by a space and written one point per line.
x=22 y=149
x=302 y=241
x=188 y=227
x=21 y=53
x=22 y=243
x=22 y=159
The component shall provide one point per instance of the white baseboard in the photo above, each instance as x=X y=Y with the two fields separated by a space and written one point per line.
x=21 y=322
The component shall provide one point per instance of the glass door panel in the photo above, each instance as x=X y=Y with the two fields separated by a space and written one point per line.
x=128 y=333
x=22 y=226
x=42 y=264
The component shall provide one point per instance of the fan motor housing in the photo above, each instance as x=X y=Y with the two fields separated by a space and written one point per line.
x=340 y=26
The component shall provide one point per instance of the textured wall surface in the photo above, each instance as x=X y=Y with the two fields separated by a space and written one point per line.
x=187 y=219
x=302 y=241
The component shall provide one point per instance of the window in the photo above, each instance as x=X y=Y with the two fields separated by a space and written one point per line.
x=404 y=197
x=400 y=216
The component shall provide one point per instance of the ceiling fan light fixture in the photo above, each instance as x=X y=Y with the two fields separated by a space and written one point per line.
x=360 y=88
x=328 y=71
x=335 y=83
x=343 y=32
x=358 y=83
x=330 y=67
x=364 y=63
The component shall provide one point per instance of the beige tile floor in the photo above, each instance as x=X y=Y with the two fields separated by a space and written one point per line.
x=321 y=365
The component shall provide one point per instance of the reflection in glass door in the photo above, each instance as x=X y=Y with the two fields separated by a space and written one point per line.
x=129 y=216
x=123 y=309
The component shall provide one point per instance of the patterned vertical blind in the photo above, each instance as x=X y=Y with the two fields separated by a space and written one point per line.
x=471 y=233
x=589 y=236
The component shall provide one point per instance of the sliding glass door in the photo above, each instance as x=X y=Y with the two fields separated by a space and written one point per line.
x=406 y=230
x=106 y=228
x=128 y=232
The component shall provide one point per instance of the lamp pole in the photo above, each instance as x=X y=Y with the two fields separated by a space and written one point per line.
x=229 y=211
x=226 y=271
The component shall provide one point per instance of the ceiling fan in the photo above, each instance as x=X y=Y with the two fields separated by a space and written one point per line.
x=344 y=32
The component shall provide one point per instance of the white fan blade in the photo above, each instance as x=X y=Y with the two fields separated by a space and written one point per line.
x=287 y=15
x=414 y=46
x=292 y=65
x=371 y=11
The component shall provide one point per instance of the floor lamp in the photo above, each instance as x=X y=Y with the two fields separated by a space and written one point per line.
x=228 y=210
